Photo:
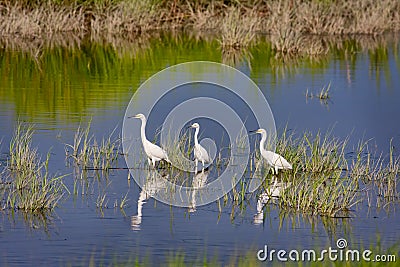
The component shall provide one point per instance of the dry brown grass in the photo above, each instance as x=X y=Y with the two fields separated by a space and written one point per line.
x=289 y=19
x=333 y=17
x=127 y=17
x=44 y=20
x=288 y=24
x=237 y=29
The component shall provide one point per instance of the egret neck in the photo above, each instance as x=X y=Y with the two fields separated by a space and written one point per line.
x=143 y=130
x=262 y=142
x=196 y=142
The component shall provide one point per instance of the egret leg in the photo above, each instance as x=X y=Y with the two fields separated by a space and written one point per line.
x=202 y=162
x=275 y=181
x=154 y=163
x=149 y=161
x=272 y=170
x=258 y=165
x=196 y=162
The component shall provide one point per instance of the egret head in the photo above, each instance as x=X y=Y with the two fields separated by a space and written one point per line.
x=261 y=131
x=138 y=116
x=195 y=125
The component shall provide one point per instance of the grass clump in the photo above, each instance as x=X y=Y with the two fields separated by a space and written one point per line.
x=28 y=185
x=179 y=149
x=313 y=153
x=322 y=95
x=28 y=20
x=125 y=17
x=237 y=30
x=320 y=194
x=380 y=175
x=88 y=153
x=329 y=180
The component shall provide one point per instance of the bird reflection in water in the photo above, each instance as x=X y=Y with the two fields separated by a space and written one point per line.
x=272 y=193
x=199 y=181
x=154 y=183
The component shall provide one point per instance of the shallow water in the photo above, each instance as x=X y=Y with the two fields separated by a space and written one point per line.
x=68 y=86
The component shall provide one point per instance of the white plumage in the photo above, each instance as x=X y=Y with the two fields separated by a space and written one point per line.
x=200 y=153
x=274 y=160
x=154 y=153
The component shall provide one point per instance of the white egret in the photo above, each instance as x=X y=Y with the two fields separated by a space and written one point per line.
x=200 y=153
x=274 y=160
x=154 y=153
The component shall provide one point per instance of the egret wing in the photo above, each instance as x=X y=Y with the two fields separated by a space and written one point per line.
x=276 y=160
x=281 y=162
x=155 y=151
x=201 y=153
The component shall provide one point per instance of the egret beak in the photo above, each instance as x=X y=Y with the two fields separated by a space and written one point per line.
x=133 y=116
x=256 y=131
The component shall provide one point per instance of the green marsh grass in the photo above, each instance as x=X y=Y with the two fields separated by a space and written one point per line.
x=179 y=148
x=325 y=181
x=380 y=175
x=124 y=201
x=319 y=194
x=91 y=161
x=312 y=153
x=102 y=201
x=322 y=95
x=30 y=187
x=88 y=153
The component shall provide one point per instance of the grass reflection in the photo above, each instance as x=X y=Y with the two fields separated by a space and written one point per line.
x=60 y=77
